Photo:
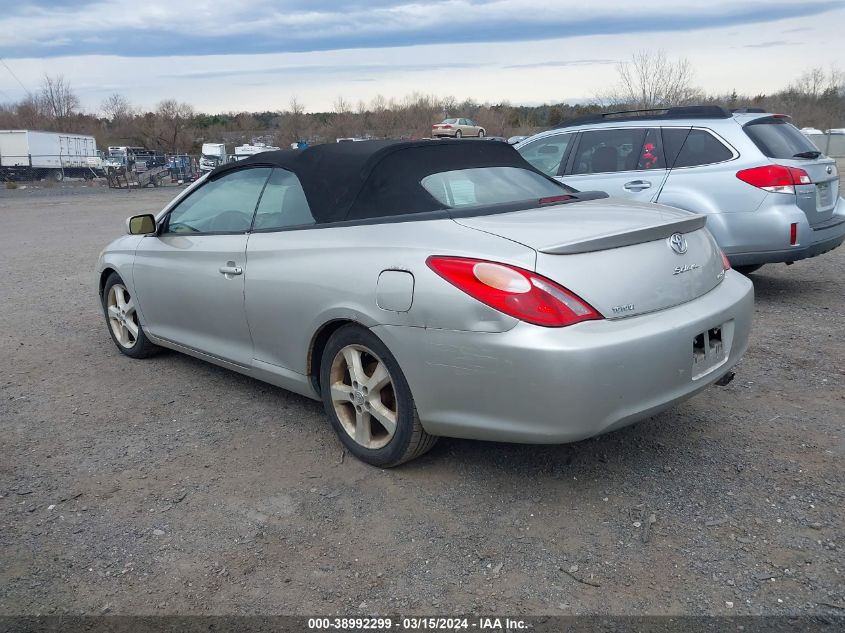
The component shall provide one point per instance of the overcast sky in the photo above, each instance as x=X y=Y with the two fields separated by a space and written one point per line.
x=255 y=54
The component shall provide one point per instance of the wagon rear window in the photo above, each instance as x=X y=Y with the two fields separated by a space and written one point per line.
x=489 y=185
x=778 y=138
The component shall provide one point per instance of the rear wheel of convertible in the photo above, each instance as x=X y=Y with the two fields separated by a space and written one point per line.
x=121 y=315
x=368 y=400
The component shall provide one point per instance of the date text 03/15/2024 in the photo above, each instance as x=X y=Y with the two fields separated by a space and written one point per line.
x=418 y=624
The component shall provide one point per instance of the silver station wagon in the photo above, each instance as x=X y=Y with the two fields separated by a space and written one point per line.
x=423 y=289
x=769 y=194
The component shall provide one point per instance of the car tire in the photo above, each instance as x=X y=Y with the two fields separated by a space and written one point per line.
x=747 y=270
x=368 y=400
x=480 y=133
x=458 y=134
x=122 y=320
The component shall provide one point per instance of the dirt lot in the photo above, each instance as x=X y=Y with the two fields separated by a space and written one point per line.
x=172 y=486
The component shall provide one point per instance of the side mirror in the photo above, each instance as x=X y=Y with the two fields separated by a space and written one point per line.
x=141 y=224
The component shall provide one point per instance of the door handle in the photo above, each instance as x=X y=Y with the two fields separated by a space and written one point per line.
x=231 y=270
x=636 y=185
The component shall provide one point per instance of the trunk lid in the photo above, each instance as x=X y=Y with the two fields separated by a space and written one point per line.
x=817 y=200
x=615 y=254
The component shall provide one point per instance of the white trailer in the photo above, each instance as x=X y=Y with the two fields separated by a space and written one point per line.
x=245 y=151
x=31 y=154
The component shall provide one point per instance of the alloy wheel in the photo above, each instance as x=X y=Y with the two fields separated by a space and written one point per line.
x=123 y=319
x=363 y=396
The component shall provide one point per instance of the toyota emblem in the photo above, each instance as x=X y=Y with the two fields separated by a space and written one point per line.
x=678 y=243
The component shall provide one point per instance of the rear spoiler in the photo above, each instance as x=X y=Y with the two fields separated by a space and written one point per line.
x=627 y=238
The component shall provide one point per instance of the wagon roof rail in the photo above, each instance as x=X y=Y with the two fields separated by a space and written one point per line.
x=650 y=114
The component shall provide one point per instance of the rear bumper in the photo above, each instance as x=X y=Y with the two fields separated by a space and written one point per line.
x=543 y=385
x=762 y=236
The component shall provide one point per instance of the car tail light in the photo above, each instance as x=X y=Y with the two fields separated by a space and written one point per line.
x=518 y=293
x=726 y=263
x=775 y=178
x=446 y=127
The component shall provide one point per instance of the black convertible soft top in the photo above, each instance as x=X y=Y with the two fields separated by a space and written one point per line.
x=375 y=179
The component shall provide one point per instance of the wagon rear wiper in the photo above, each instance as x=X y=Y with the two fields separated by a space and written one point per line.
x=809 y=154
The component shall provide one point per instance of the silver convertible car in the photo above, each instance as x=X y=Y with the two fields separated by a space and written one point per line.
x=424 y=289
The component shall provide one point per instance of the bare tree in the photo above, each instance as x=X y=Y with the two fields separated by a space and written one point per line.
x=58 y=99
x=31 y=114
x=342 y=119
x=816 y=98
x=292 y=127
x=117 y=108
x=812 y=83
x=651 y=80
x=170 y=125
x=340 y=106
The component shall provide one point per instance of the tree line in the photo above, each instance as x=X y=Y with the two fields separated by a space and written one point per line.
x=646 y=80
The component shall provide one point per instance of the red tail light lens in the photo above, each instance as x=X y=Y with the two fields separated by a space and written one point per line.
x=775 y=178
x=554 y=199
x=726 y=263
x=517 y=292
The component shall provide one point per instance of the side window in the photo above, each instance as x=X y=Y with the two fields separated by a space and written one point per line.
x=546 y=153
x=603 y=151
x=687 y=147
x=224 y=205
x=282 y=204
x=652 y=156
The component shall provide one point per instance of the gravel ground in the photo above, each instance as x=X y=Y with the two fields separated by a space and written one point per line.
x=172 y=486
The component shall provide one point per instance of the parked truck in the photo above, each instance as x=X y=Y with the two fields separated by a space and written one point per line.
x=213 y=155
x=29 y=154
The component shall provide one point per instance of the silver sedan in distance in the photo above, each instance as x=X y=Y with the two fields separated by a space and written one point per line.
x=431 y=289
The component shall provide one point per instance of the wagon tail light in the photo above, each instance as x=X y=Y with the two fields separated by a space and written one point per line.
x=775 y=178
x=516 y=292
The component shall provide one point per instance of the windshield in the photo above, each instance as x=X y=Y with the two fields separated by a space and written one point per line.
x=489 y=185
x=777 y=138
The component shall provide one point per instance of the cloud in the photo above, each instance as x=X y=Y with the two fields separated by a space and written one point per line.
x=162 y=27
x=772 y=44
x=317 y=69
x=560 y=64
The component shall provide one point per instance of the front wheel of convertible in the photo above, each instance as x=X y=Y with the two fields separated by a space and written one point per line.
x=121 y=314
x=368 y=400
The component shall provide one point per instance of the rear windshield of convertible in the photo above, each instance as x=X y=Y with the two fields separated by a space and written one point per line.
x=488 y=185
